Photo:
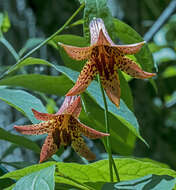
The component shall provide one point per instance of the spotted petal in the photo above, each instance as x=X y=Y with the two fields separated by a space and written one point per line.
x=74 y=108
x=36 y=129
x=43 y=116
x=130 y=49
x=50 y=146
x=77 y=53
x=86 y=76
x=132 y=69
x=81 y=148
x=112 y=87
x=89 y=132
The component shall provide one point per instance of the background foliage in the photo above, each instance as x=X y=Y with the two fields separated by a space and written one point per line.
x=42 y=81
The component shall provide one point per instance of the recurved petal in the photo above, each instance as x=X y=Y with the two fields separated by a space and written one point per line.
x=74 y=108
x=50 y=146
x=77 y=53
x=95 y=26
x=67 y=101
x=43 y=116
x=112 y=87
x=132 y=69
x=86 y=76
x=89 y=132
x=81 y=148
x=36 y=129
x=130 y=49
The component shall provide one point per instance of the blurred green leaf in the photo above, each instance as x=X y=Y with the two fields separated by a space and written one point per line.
x=170 y=71
x=19 y=140
x=4 y=22
x=8 y=151
x=43 y=179
x=152 y=182
x=58 y=85
x=98 y=9
x=17 y=165
x=22 y=101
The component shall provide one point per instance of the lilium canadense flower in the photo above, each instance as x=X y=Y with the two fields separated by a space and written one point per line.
x=63 y=128
x=104 y=58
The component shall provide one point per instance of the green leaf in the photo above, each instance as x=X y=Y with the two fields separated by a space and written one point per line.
x=19 y=140
x=98 y=9
x=152 y=182
x=4 y=182
x=22 y=101
x=96 y=174
x=121 y=136
x=58 y=85
x=17 y=174
x=43 y=179
x=128 y=36
x=4 y=22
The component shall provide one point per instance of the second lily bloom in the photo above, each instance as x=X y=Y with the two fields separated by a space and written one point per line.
x=104 y=58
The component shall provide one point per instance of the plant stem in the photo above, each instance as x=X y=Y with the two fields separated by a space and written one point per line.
x=10 y=48
x=108 y=146
x=53 y=35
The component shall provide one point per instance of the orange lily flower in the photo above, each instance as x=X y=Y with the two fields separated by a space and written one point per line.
x=63 y=128
x=104 y=58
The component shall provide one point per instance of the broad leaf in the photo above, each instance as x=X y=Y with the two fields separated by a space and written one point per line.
x=95 y=175
x=19 y=140
x=43 y=179
x=152 y=182
x=17 y=174
x=22 y=101
x=58 y=85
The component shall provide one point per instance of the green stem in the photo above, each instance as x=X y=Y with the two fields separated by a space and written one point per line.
x=10 y=48
x=108 y=145
x=53 y=35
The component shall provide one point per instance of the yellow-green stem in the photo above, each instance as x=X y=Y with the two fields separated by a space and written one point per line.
x=108 y=144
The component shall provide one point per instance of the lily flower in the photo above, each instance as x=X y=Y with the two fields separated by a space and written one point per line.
x=63 y=128
x=104 y=58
